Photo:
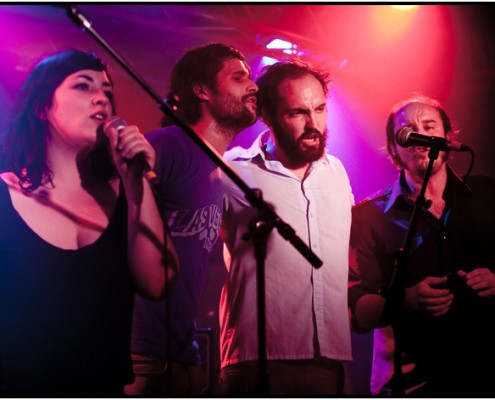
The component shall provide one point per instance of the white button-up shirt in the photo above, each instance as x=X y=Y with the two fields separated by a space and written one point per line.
x=306 y=308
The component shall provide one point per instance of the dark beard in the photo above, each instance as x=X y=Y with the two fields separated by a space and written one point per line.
x=232 y=114
x=297 y=152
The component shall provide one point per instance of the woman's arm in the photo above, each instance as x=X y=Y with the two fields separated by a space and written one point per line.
x=152 y=257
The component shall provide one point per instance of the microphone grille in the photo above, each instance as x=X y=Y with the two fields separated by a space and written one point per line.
x=402 y=136
x=115 y=122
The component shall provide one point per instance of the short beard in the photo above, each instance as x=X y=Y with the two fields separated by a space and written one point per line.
x=298 y=155
x=232 y=114
x=443 y=157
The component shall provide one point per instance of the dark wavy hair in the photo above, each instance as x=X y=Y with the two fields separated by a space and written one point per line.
x=24 y=143
x=197 y=66
x=419 y=98
x=272 y=75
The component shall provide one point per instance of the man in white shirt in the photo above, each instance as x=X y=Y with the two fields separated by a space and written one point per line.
x=307 y=324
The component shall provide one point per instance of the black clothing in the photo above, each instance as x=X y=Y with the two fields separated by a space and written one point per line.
x=65 y=315
x=451 y=351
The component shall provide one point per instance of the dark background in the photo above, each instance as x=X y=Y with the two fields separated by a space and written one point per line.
x=377 y=55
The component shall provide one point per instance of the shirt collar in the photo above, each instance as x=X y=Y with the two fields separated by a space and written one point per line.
x=401 y=188
x=241 y=153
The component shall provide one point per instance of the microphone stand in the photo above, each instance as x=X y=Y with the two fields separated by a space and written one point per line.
x=260 y=227
x=395 y=293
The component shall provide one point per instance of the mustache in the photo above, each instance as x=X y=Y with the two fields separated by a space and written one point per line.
x=248 y=96
x=312 y=132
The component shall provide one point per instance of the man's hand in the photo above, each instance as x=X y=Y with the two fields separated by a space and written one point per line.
x=428 y=297
x=481 y=280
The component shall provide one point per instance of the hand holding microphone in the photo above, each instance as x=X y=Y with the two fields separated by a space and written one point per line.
x=140 y=159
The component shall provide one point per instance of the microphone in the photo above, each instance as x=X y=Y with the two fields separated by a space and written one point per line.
x=150 y=175
x=406 y=137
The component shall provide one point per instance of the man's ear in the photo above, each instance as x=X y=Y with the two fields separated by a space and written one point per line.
x=201 y=91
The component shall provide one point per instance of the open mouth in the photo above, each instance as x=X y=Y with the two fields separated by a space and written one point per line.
x=99 y=116
x=311 y=139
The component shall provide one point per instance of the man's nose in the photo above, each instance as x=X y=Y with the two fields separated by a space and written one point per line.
x=252 y=87
x=311 y=120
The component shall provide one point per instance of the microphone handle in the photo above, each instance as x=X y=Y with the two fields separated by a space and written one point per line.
x=150 y=175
